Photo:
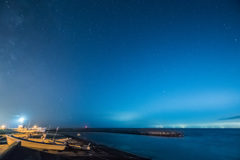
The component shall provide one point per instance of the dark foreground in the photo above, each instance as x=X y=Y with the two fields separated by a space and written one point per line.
x=97 y=152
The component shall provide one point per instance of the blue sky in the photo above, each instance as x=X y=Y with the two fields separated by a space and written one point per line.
x=134 y=63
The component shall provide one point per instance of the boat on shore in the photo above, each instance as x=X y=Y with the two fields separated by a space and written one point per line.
x=34 y=129
x=36 y=144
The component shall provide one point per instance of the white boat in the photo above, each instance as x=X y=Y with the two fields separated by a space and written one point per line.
x=35 y=144
x=35 y=129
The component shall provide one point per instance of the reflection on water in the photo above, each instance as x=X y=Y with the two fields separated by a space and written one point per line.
x=197 y=144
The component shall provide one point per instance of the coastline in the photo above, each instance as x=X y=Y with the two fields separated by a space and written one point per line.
x=97 y=151
x=112 y=153
x=196 y=141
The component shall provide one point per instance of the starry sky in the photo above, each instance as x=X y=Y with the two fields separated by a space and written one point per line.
x=128 y=63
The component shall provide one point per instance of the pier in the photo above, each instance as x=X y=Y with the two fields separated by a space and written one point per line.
x=163 y=133
x=135 y=131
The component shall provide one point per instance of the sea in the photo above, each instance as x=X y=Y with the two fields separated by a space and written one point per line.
x=197 y=144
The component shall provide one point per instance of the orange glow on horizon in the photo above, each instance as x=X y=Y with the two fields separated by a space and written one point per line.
x=3 y=126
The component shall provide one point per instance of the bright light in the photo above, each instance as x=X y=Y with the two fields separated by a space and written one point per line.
x=35 y=126
x=21 y=120
x=3 y=126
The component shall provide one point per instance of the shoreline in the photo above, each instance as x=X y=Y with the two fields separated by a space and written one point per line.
x=114 y=153
x=97 y=151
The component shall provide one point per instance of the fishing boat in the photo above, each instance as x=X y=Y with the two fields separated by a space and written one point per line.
x=36 y=144
x=34 y=129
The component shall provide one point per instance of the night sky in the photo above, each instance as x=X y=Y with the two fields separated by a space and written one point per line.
x=125 y=63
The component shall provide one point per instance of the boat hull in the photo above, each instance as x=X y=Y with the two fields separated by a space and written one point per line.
x=35 y=145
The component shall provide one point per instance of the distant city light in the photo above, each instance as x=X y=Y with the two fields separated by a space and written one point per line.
x=159 y=126
x=86 y=127
x=35 y=126
x=181 y=126
x=202 y=125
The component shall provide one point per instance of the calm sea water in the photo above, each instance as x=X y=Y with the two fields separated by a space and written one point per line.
x=197 y=144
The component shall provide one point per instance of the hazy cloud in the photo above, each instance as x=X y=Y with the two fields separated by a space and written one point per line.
x=231 y=118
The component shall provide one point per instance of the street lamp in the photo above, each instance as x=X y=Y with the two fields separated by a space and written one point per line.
x=21 y=120
x=3 y=126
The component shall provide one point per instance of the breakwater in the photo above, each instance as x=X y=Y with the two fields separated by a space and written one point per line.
x=163 y=133
x=136 y=131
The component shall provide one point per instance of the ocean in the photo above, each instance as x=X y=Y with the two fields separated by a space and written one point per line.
x=197 y=144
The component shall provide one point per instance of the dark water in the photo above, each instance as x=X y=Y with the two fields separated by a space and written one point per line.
x=197 y=144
